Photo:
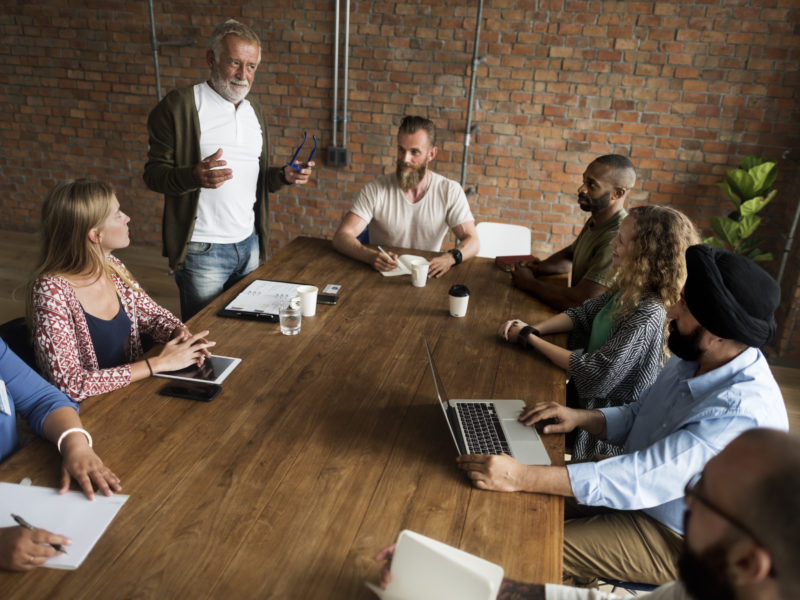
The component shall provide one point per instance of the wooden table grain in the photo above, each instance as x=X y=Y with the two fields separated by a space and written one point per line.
x=319 y=450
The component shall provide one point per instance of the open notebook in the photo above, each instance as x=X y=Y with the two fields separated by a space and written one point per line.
x=426 y=569
x=405 y=263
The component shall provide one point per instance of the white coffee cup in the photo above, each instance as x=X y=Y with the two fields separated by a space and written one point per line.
x=419 y=273
x=308 y=299
x=459 y=298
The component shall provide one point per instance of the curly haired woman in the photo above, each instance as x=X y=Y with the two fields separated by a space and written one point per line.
x=626 y=326
x=85 y=310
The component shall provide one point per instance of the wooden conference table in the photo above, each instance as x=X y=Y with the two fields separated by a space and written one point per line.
x=319 y=450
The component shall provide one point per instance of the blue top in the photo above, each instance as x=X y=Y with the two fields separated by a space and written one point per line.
x=109 y=337
x=673 y=430
x=28 y=394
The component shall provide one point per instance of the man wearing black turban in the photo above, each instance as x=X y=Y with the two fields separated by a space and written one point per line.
x=717 y=385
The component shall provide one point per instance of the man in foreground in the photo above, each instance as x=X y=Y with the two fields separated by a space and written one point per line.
x=626 y=523
x=741 y=529
x=411 y=208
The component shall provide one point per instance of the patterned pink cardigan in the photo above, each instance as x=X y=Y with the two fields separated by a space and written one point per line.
x=63 y=345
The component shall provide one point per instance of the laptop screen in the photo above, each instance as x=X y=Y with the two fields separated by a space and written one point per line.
x=441 y=394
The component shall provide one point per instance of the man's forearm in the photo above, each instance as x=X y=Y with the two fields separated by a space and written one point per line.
x=350 y=246
x=557 y=296
x=594 y=423
x=546 y=480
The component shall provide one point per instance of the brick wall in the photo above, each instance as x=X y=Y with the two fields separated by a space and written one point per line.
x=685 y=89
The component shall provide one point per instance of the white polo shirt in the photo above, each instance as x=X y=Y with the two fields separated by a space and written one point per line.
x=225 y=214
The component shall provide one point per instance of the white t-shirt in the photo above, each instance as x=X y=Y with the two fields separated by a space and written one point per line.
x=225 y=214
x=395 y=221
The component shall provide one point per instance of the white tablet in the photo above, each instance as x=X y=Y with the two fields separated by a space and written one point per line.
x=213 y=370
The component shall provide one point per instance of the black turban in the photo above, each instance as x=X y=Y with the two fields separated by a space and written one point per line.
x=730 y=295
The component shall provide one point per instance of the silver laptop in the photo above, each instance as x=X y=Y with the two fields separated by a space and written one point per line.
x=489 y=426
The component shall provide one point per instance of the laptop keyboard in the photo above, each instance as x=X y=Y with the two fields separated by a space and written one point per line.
x=482 y=431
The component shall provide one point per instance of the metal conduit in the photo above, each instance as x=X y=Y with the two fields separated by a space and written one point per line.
x=335 y=75
x=476 y=60
x=156 y=45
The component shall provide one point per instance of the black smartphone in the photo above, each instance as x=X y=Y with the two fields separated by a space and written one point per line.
x=202 y=392
x=327 y=298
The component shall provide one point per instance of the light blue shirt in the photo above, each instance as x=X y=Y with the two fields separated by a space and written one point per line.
x=673 y=430
x=28 y=394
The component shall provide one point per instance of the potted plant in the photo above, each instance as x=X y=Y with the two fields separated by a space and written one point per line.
x=745 y=186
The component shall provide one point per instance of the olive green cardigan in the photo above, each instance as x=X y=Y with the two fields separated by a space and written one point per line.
x=174 y=130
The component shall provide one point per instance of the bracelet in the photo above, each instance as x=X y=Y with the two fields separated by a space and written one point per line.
x=522 y=337
x=73 y=430
x=149 y=368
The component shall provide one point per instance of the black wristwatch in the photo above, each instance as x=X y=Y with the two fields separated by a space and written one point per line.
x=522 y=337
x=456 y=255
x=282 y=176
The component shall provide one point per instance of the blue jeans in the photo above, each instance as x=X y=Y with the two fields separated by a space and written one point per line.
x=210 y=269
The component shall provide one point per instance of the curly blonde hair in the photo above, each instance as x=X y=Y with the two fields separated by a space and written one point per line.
x=655 y=263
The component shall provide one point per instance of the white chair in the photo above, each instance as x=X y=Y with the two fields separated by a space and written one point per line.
x=503 y=239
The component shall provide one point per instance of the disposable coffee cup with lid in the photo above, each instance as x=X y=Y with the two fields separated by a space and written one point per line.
x=459 y=298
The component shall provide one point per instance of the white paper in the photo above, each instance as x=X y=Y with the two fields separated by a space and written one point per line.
x=70 y=514
x=404 y=265
x=263 y=296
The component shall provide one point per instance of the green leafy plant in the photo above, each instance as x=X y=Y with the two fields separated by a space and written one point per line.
x=746 y=187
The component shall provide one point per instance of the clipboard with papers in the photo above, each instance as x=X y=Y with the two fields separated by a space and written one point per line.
x=261 y=300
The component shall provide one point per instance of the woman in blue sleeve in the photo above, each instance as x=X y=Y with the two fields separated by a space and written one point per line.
x=625 y=328
x=54 y=416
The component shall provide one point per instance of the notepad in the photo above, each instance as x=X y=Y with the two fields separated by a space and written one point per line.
x=405 y=265
x=70 y=514
x=426 y=569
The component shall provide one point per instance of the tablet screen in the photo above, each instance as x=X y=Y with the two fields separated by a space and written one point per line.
x=213 y=370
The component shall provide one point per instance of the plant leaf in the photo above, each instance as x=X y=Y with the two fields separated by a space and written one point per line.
x=727 y=229
x=748 y=225
x=762 y=175
x=725 y=187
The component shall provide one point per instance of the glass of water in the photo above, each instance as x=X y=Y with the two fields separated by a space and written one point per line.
x=290 y=317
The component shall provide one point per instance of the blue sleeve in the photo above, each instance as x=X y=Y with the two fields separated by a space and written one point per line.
x=656 y=475
x=32 y=396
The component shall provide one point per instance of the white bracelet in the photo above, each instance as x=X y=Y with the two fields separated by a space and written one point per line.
x=73 y=430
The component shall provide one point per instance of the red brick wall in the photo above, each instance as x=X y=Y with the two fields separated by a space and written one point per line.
x=685 y=89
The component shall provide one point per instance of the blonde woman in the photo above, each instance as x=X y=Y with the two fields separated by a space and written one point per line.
x=625 y=328
x=87 y=314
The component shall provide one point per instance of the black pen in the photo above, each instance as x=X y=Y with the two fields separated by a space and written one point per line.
x=23 y=523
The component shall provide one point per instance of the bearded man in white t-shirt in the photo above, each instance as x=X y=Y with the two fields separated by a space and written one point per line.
x=411 y=208
x=216 y=220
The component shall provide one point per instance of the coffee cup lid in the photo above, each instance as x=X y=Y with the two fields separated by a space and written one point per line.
x=459 y=290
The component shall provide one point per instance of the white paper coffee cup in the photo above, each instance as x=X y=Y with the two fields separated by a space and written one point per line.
x=308 y=299
x=459 y=299
x=419 y=273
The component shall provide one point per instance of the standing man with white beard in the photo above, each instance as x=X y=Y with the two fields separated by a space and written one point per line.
x=209 y=156
x=411 y=208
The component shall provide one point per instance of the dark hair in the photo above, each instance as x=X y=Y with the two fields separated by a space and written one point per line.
x=412 y=124
x=622 y=173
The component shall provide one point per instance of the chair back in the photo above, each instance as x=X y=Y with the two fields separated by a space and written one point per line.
x=15 y=334
x=503 y=239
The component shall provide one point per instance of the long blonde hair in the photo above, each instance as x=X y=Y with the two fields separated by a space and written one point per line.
x=655 y=263
x=71 y=209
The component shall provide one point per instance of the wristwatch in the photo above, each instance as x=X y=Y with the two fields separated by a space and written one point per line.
x=522 y=337
x=456 y=255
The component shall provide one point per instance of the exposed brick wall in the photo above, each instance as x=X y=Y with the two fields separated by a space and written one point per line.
x=685 y=89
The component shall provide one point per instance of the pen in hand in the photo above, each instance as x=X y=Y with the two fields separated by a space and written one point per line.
x=23 y=523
